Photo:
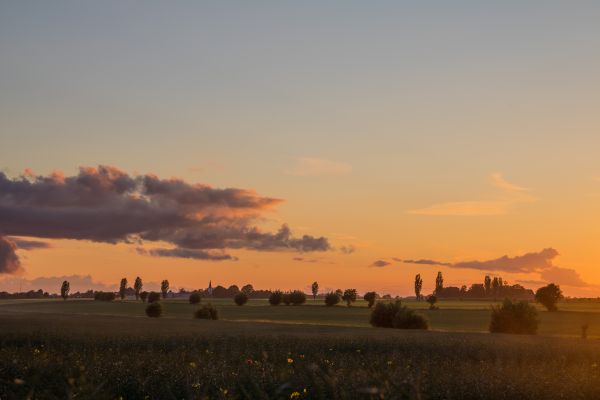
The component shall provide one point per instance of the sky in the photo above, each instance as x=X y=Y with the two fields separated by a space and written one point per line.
x=173 y=140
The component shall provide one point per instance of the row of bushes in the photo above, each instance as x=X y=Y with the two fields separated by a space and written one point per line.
x=207 y=311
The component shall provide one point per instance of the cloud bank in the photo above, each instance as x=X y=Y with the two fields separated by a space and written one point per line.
x=105 y=204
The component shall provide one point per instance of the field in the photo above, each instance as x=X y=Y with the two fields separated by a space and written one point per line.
x=87 y=349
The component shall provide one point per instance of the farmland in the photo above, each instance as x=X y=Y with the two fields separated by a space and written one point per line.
x=88 y=349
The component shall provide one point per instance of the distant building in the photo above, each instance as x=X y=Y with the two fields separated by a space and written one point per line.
x=210 y=289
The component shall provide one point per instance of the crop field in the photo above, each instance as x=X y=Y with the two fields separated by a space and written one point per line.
x=84 y=349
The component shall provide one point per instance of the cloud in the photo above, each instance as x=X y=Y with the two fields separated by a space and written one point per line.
x=509 y=196
x=349 y=249
x=51 y=284
x=307 y=260
x=380 y=263
x=186 y=253
x=105 y=204
x=305 y=166
x=25 y=244
x=9 y=261
x=535 y=262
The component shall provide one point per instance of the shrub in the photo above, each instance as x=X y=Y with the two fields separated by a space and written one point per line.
x=349 y=296
x=207 y=311
x=432 y=299
x=153 y=297
x=286 y=298
x=144 y=296
x=297 y=297
x=370 y=298
x=518 y=317
x=276 y=297
x=104 y=296
x=548 y=296
x=406 y=318
x=331 y=299
x=195 y=298
x=240 y=299
x=154 y=310
x=383 y=313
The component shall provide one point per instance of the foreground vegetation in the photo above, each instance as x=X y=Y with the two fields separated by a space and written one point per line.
x=108 y=357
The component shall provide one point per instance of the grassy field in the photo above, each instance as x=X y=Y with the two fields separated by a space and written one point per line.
x=83 y=349
x=463 y=316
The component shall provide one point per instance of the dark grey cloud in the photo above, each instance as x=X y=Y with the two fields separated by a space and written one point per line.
x=105 y=204
x=424 y=262
x=380 y=263
x=179 y=252
x=25 y=244
x=9 y=261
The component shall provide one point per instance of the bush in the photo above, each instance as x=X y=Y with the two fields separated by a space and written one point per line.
x=153 y=297
x=406 y=318
x=432 y=299
x=195 y=298
x=331 y=299
x=349 y=296
x=240 y=299
x=276 y=297
x=104 y=296
x=370 y=298
x=383 y=314
x=207 y=311
x=518 y=317
x=144 y=296
x=297 y=297
x=548 y=296
x=154 y=310
x=286 y=298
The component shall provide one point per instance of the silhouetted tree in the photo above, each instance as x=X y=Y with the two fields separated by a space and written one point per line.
x=144 y=296
x=394 y=315
x=297 y=297
x=432 y=299
x=122 y=288
x=332 y=298
x=248 y=289
x=439 y=283
x=370 y=298
x=153 y=297
x=164 y=288
x=418 y=286
x=195 y=297
x=137 y=286
x=207 y=311
x=154 y=310
x=276 y=297
x=240 y=299
x=548 y=296
x=315 y=289
x=349 y=296
x=495 y=287
x=64 y=290
x=519 y=318
x=487 y=284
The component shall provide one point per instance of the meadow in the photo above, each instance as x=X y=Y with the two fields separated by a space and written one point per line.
x=88 y=349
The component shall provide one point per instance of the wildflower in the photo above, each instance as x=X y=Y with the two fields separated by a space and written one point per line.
x=196 y=385
x=249 y=361
x=389 y=363
x=290 y=361
x=193 y=364
x=594 y=365
x=295 y=395
x=18 y=381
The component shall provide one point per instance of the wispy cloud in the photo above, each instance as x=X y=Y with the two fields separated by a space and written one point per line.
x=306 y=166
x=380 y=264
x=509 y=195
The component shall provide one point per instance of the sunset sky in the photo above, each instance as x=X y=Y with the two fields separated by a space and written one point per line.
x=392 y=138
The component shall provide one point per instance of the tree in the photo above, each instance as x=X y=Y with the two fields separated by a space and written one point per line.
x=370 y=298
x=332 y=298
x=349 y=296
x=432 y=299
x=439 y=283
x=315 y=289
x=548 y=296
x=418 y=286
x=195 y=297
x=153 y=297
x=164 y=288
x=137 y=286
x=519 y=317
x=297 y=297
x=495 y=286
x=144 y=296
x=207 y=311
x=248 y=289
x=122 y=288
x=339 y=292
x=64 y=289
x=487 y=283
x=240 y=299
x=276 y=297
